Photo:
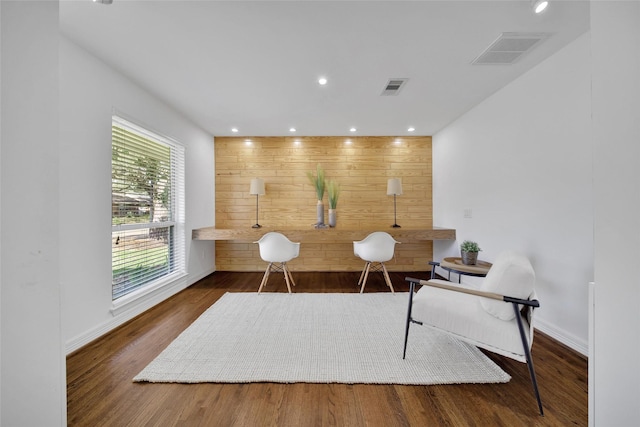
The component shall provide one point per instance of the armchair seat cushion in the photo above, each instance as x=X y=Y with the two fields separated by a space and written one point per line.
x=433 y=307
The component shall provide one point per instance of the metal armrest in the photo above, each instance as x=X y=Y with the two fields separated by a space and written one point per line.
x=412 y=282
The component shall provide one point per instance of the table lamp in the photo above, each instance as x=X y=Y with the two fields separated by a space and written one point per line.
x=394 y=187
x=257 y=189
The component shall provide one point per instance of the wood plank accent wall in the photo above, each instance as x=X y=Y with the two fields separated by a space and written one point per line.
x=361 y=167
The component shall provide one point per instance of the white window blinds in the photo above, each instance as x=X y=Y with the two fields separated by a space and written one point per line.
x=147 y=208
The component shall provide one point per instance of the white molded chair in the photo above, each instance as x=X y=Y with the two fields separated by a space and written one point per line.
x=377 y=247
x=277 y=250
x=497 y=317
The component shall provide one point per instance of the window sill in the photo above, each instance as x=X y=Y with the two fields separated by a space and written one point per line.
x=140 y=296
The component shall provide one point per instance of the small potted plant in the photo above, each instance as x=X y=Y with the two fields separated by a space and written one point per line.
x=469 y=252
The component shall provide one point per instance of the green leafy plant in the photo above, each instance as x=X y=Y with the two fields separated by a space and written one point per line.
x=333 y=190
x=317 y=181
x=469 y=246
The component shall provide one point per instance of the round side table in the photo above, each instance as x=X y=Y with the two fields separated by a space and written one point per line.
x=455 y=265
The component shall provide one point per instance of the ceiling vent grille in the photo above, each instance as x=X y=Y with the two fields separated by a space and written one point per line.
x=393 y=87
x=509 y=48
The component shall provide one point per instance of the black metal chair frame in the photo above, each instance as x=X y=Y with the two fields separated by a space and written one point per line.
x=531 y=304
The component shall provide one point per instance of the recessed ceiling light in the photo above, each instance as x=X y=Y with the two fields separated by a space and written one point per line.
x=411 y=129
x=292 y=129
x=352 y=130
x=322 y=81
x=539 y=6
x=234 y=130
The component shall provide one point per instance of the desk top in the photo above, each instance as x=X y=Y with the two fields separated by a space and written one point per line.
x=322 y=235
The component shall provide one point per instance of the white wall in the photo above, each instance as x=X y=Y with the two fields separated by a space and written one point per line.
x=0 y=215
x=522 y=162
x=33 y=372
x=615 y=34
x=90 y=92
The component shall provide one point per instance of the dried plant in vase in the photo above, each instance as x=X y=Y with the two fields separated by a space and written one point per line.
x=333 y=191
x=318 y=183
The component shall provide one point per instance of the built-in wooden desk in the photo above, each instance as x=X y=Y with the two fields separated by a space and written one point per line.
x=321 y=235
x=325 y=249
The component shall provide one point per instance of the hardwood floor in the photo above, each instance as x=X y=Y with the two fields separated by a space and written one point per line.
x=100 y=391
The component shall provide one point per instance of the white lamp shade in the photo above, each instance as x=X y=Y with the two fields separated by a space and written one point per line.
x=394 y=187
x=257 y=187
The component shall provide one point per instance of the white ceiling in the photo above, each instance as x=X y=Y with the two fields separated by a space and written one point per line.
x=255 y=65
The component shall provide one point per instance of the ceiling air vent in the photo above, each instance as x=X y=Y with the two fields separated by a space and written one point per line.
x=509 y=48
x=393 y=87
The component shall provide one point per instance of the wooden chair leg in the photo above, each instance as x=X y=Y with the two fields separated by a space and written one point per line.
x=291 y=277
x=362 y=274
x=386 y=277
x=286 y=276
x=265 y=278
x=366 y=274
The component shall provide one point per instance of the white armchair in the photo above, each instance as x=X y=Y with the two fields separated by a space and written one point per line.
x=497 y=317
x=277 y=250
x=378 y=247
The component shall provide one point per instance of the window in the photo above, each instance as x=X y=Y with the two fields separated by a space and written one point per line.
x=147 y=208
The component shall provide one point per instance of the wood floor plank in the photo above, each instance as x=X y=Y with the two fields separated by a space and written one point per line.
x=100 y=391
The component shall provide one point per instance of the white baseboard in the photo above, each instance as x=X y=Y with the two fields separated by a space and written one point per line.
x=570 y=340
x=143 y=305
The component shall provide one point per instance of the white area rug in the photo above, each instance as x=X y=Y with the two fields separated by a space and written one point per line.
x=316 y=338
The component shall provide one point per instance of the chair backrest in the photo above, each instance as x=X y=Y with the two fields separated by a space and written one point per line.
x=276 y=247
x=378 y=246
x=511 y=275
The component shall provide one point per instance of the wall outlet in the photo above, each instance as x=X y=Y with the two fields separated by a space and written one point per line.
x=467 y=213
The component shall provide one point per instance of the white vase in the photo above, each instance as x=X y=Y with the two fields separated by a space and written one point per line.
x=320 y=213
x=332 y=217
